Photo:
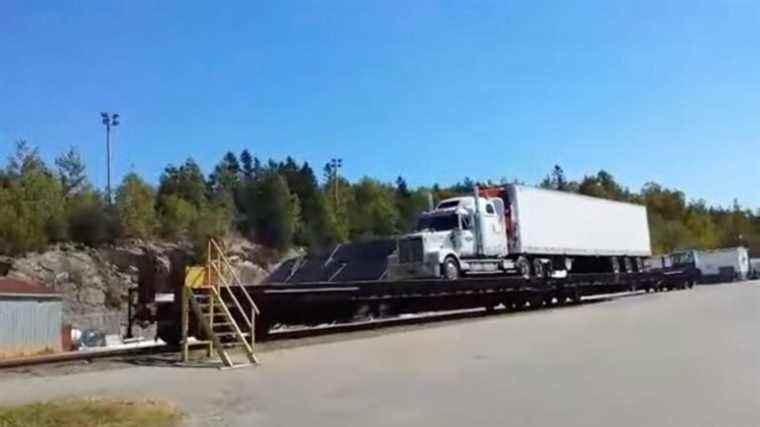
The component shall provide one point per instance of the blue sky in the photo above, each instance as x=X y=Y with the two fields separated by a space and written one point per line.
x=434 y=91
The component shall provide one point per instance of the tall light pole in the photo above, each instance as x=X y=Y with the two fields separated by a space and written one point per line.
x=109 y=120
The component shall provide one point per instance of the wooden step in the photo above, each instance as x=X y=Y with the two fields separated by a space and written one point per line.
x=215 y=324
x=231 y=334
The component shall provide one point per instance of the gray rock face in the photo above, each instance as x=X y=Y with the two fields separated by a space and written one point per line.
x=95 y=282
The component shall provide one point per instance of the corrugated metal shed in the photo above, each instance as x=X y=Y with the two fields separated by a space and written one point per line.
x=30 y=318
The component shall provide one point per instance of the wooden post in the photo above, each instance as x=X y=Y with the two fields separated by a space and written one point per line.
x=185 y=323
x=211 y=302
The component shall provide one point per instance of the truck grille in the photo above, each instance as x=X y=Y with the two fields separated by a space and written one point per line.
x=410 y=250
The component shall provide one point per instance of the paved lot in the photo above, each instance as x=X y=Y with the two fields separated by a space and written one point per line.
x=688 y=358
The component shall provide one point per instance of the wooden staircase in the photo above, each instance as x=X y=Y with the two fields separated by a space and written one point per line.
x=215 y=297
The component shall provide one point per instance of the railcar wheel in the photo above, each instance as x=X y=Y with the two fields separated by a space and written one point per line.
x=573 y=296
x=538 y=268
x=523 y=267
x=451 y=269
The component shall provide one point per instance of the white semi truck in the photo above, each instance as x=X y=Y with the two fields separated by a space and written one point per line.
x=523 y=230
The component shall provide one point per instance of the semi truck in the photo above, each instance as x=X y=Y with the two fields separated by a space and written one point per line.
x=526 y=231
x=715 y=265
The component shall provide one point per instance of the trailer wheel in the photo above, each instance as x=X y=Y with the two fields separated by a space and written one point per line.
x=450 y=268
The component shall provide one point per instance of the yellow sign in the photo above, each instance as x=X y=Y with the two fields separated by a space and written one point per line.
x=195 y=277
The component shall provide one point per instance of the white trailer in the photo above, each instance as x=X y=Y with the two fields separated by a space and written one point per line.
x=754 y=268
x=525 y=230
x=717 y=264
x=563 y=223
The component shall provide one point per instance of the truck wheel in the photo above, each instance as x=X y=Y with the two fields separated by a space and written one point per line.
x=450 y=269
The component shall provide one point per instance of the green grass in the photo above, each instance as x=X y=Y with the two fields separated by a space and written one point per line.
x=91 y=413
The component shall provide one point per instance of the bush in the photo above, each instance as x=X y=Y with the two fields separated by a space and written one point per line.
x=91 y=221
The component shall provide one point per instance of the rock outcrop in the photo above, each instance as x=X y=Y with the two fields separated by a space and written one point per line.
x=96 y=282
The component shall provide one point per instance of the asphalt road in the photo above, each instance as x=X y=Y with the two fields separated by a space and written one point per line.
x=686 y=358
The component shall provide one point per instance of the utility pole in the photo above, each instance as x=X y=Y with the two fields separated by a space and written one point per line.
x=109 y=120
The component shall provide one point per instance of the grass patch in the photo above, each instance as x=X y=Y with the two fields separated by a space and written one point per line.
x=91 y=413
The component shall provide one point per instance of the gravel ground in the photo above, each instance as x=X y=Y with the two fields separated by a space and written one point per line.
x=687 y=358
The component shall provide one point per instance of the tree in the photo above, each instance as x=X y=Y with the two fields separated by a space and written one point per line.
x=177 y=216
x=317 y=230
x=278 y=212
x=556 y=180
x=247 y=163
x=211 y=222
x=31 y=204
x=603 y=185
x=409 y=204
x=24 y=159
x=225 y=180
x=373 y=211
x=71 y=171
x=135 y=203
x=402 y=189
x=186 y=181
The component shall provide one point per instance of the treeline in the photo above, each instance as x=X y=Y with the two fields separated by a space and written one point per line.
x=282 y=203
x=277 y=204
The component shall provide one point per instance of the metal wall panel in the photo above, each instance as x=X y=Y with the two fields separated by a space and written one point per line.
x=29 y=325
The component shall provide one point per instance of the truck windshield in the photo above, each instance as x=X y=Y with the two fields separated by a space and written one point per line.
x=437 y=223
x=683 y=258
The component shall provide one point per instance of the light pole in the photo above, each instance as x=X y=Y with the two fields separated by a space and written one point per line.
x=109 y=121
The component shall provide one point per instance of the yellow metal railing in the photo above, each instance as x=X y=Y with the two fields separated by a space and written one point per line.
x=219 y=278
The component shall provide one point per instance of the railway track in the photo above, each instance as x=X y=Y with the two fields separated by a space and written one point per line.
x=78 y=356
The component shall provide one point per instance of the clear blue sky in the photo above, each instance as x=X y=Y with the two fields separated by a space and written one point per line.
x=434 y=91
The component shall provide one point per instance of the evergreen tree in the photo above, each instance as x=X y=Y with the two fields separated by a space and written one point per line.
x=186 y=181
x=246 y=161
x=278 y=212
x=71 y=171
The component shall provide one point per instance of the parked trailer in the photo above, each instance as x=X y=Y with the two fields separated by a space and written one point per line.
x=312 y=304
x=716 y=265
x=754 y=264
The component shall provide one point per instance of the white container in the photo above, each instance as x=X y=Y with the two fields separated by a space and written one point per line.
x=555 y=223
x=754 y=268
x=710 y=262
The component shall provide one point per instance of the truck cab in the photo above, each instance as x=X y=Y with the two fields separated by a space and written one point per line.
x=462 y=234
